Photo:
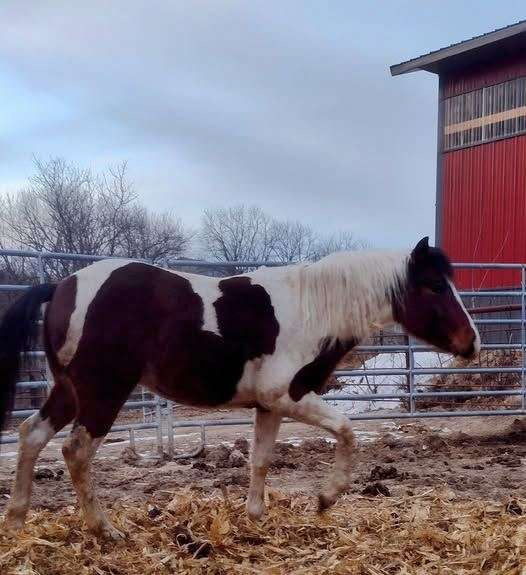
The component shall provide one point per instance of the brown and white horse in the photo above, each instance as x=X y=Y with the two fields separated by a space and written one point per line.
x=268 y=340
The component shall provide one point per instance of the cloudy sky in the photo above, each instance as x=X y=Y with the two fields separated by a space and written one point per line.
x=286 y=105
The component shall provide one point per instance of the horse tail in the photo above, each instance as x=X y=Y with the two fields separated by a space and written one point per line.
x=18 y=331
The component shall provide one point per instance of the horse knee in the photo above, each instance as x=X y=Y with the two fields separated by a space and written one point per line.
x=25 y=428
x=258 y=468
x=347 y=436
x=77 y=449
x=29 y=424
x=34 y=433
x=70 y=448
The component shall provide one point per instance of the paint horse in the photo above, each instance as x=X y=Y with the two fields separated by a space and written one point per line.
x=267 y=340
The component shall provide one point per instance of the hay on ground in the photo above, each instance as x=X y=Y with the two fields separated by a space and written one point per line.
x=425 y=534
x=476 y=382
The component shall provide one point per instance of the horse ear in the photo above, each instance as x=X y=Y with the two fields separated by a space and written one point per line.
x=421 y=249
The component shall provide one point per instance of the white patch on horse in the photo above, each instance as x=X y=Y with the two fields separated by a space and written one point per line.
x=345 y=295
x=89 y=282
x=208 y=290
x=268 y=377
x=477 y=342
x=34 y=434
x=246 y=386
x=40 y=433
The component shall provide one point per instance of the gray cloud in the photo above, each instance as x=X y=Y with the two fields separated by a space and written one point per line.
x=286 y=106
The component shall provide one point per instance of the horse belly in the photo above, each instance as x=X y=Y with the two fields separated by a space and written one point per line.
x=202 y=388
x=200 y=368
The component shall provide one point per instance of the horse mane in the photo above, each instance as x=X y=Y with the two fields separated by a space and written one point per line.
x=344 y=292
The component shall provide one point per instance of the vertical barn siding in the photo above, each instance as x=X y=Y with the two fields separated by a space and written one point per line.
x=483 y=75
x=483 y=188
x=484 y=209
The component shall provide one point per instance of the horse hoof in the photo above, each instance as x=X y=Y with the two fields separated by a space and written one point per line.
x=255 y=510
x=13 y=524
x=12 y=527
x=324 y=502
x=110 y=533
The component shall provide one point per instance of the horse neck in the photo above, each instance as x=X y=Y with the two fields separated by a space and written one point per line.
x=347 y=295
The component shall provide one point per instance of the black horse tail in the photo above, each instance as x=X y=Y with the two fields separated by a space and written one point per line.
x=18 y=331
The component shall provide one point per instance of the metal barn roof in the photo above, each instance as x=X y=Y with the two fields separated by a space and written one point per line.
x=509 y=39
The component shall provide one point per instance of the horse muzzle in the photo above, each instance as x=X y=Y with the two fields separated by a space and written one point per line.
x=467 y=350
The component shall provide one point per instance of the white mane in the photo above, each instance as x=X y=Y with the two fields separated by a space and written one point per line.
x=345 y=293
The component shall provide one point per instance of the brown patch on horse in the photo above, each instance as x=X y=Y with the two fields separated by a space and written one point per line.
x=245 y=316
x=60 y=407
x=145 y=325
x=312 y=377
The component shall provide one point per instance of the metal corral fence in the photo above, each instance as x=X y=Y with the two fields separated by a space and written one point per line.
x=395 y=369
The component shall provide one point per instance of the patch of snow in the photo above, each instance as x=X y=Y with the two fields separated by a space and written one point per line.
x=385 y=384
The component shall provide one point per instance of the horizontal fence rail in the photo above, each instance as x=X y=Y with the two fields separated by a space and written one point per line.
x=371 y=384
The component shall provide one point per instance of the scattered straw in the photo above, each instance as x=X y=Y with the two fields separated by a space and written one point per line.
x=195 y=534
x=477 y=381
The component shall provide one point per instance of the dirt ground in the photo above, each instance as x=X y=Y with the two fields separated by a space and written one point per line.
x=480 y=458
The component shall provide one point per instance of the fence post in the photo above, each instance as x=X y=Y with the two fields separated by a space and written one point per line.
x=132 y=439
x=407 y=364
x=412 y=402
x=42 y=279
x=159 y=417
x=170 y=425
x=41 y=271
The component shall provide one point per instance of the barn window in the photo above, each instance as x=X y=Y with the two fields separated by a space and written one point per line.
x=484 y=115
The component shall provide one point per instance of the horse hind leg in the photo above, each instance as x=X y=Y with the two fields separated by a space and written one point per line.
x=79 y=450
x=34 y=434
x=97 y=410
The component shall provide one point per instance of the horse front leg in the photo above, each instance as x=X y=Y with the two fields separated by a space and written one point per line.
x=266 y=427
x=313 y=410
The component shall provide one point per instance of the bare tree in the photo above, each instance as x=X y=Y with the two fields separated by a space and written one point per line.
x=293 y=242
x=65 y=208
x=243 y=233
x=238 y=233
x=154 y=237
x=338 y=242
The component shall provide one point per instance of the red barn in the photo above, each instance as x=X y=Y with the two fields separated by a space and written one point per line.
x=481 y=162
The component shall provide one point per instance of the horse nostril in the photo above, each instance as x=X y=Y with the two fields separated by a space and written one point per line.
x=471 y=349
x=470 y=352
